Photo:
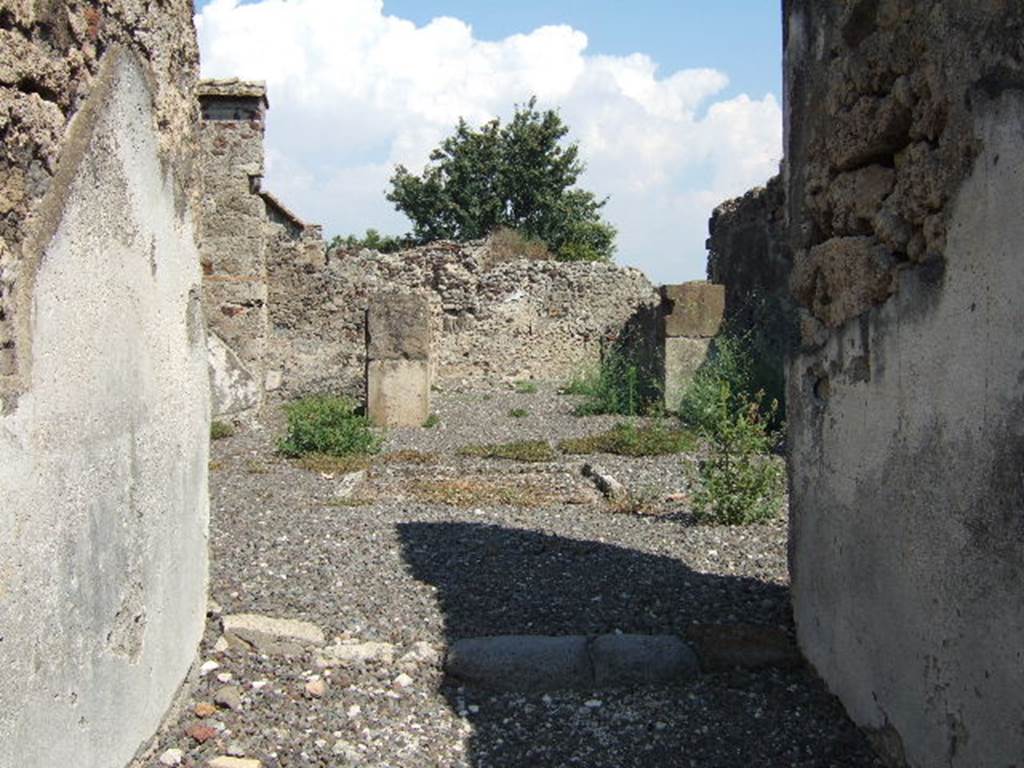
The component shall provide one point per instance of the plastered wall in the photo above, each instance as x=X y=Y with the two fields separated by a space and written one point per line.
x=905 y=161
x=104 y=423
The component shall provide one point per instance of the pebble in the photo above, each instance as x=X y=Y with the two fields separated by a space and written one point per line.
x=204 y=709
x=200 y=733
x=208 y=667
x=226 y=761
x=228 y=697
x=347 y=751
x=402 y=681
x=171 y=757
x=224 y=677
x=258 y=684
x=316 y=688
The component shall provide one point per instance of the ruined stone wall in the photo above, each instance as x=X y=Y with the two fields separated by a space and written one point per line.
x=748 y=254
x=104 y=421
x=520 y=319
x=905 y=156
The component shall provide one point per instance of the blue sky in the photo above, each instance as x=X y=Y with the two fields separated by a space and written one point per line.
x=676 y=105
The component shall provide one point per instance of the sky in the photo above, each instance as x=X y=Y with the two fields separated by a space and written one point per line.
x=676 y=104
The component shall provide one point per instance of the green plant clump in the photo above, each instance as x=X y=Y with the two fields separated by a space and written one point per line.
x=518 y=413
x=620 y=385
x=526 y=387
x=739 y=482
x=432 y=421
x=221 y=429
x=527 y=450
x=631 y=440
x=327 y=425
x=729 y=366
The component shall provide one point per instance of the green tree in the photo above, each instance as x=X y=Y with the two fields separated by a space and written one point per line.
x=519 y=175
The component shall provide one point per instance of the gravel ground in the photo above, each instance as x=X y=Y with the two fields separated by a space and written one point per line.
x=390 y=564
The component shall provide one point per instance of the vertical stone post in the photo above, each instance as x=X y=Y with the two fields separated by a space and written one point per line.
x=398 y=360
x=692 y=315
x=233 y=240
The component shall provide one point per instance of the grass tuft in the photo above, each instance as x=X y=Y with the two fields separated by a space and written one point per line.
x=469 y=492
x=527 y=450
x=518 y=413
x=631 y=440
x=526 y=387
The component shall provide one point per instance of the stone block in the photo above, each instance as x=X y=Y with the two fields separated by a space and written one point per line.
x=693 y=309
x=682 y=359
x=233 y=389
x=398 y=327
x=521 y=663
x=626 y=660
x=398 y=392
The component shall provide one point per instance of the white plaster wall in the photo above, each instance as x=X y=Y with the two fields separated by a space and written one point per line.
x=103 y=461
x=908 y=487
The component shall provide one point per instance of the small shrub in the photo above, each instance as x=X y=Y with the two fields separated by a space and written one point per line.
x=528 y=451
x=432 y=421
x=526 y=387
x=518 y=413
x=221 y=429
x=739 y=482
x=506 y=244
x=329 y=426
x=631 y=440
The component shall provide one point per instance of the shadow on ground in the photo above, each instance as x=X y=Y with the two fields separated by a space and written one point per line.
x=494 y=580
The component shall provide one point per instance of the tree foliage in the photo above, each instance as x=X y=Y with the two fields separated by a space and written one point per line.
x=519 y=175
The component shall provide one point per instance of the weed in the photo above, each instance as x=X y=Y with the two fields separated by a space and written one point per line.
x=642 y=501
x=526 y=387
x=335 y=465
x=518 y=413
x=630 y=440
x=409 y=457
x=469 y=492
x=729 y=365
x=351 y=501
x=621 y=384
x=432 y=421
x=327 y=425
x=254 y=467
x=215 y=466
x=739 y=482
x=221 y=429
x=527 y=450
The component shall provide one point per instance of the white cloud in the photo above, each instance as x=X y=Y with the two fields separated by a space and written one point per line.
x=353 y=92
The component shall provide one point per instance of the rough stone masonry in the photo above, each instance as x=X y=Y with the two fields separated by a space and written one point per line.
x=104 y=421
x=905 y=161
